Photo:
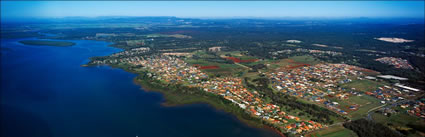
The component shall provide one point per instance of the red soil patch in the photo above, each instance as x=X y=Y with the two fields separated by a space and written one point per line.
x=209 y=67
x=291 y=61
x=297 y=66
x=237 y=60
x=205 y=67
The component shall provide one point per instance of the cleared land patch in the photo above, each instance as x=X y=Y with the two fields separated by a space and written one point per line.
x=293 y=62
x=363 y=85
x=402 y=122
x=336 y=131
x=365 y=104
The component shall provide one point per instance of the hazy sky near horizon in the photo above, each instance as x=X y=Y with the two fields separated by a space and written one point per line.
x=22 y=9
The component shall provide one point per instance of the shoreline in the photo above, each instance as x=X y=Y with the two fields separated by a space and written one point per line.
x=243 y=121
x=274 y=130
x=247 y=122
x=250 y=123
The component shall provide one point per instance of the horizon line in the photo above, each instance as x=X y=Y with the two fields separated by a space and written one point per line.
x=215 y=17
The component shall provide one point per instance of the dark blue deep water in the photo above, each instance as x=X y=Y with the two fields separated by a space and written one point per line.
x=46 y=93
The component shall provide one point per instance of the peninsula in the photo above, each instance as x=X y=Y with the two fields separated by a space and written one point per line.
x=47 y=43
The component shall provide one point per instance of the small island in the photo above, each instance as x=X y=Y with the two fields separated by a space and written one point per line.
x=47 y=43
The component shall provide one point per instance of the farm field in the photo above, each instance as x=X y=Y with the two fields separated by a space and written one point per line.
x=215 y=68
x=399 y=119
x=202 y=54
x=292 y=62
x=135 y=42
x=362 y=105
x=356 y=106
x=231 y=53
x=366 y=103
x=209 y=63
x=336 y=131
x=402 y=122
x=363 y=85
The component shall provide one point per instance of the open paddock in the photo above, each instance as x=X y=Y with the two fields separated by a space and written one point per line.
x=238 y=60
x=403 y=122
x=365 y=103
x=335 y=131
x=363 y=85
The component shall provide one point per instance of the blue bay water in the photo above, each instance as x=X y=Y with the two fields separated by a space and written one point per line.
x=46 y=93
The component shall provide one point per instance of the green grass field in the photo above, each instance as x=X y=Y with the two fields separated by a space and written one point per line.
x=363 y=85
x=202 y=54
x=279 y=63
x=366 y=103
x=247 y=57
x=232 y=53
x=335 y=119
x=207 y=63
x=224 y=69
x=363 y=100
x=336 y=131
x=400 y=121
x=134 y=42
x=254 y=63
x=292 y=61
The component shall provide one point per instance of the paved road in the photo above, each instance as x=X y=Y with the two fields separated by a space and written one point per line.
x=369 y=116
x=242 y=65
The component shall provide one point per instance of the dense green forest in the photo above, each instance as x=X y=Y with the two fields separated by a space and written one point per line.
x=365 y=128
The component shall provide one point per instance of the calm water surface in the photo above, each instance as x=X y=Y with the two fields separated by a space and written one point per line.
x=46 y=93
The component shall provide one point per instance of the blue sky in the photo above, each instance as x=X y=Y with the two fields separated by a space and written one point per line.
x=10 y=9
